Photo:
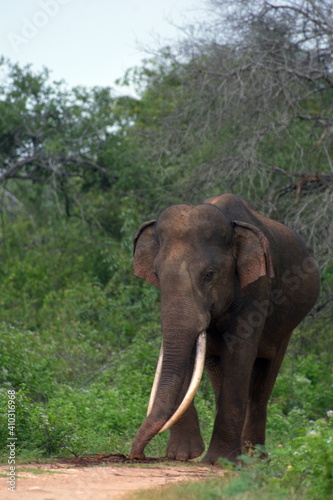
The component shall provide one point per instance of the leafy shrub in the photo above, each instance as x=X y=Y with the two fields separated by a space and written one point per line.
x=24 y=359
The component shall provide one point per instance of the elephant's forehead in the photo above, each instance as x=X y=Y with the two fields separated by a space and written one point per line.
x=188 y=221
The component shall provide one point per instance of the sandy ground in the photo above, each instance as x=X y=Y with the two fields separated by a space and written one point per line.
x=54 y=482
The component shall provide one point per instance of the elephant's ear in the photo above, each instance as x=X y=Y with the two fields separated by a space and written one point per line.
x=253 y=256
x=145 y=250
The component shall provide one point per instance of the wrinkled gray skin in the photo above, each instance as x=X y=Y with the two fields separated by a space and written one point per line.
x=245 y=279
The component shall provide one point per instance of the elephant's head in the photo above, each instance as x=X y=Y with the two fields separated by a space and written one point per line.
x=200 y=260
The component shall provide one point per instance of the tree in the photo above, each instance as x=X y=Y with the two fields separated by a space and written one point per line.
x=50 y=136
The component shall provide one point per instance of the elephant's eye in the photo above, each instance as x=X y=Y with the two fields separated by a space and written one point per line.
x=209 y=275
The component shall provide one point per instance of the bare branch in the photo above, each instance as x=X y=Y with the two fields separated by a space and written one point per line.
x=11 y=171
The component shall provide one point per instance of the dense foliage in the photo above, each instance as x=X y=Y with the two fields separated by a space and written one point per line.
x=81 y=169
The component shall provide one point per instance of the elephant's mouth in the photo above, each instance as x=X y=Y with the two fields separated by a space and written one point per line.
x=192 y=388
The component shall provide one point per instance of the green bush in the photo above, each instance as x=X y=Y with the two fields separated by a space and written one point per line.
x=26 y=360
x=98 y=414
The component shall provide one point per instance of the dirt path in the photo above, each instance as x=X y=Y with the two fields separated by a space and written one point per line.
x=55 y=482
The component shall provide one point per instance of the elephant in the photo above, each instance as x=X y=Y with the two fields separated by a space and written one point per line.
x=234 y=284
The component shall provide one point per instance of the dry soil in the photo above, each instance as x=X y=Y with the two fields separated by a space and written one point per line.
x=72 y=481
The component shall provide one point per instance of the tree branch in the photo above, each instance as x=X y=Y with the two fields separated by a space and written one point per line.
x=17 y=166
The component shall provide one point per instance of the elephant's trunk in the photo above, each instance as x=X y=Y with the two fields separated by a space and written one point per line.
x=184 y=320
x=159 y=418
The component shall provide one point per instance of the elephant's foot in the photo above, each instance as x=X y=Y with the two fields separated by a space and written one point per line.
x=185 y=448
x=215 y=453
x=137 y=455
x=185 y=438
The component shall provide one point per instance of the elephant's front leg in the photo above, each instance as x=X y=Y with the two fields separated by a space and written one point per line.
x=232 y=403
x=185 y=438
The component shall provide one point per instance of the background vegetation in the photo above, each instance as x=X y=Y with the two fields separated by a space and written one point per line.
x=243 y=104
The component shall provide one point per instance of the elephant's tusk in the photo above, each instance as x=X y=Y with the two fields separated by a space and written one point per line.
x=194 y=384
x=156 y=381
